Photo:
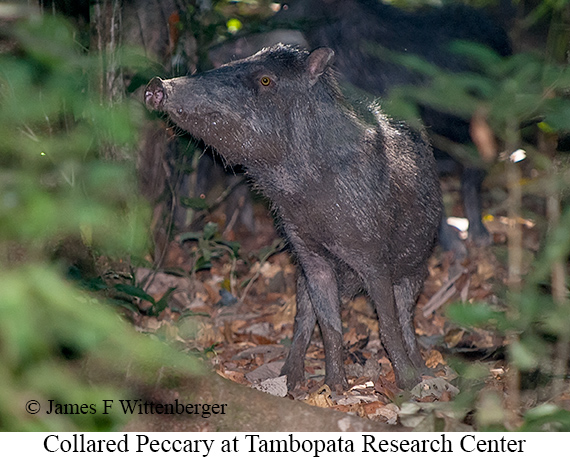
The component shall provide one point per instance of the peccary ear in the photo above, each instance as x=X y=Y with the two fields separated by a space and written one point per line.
x=318 y=62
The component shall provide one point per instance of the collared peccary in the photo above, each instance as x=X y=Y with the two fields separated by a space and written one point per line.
x=358 y=204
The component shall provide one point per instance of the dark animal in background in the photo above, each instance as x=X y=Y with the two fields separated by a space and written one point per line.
x=358 y=203
x=352 y=27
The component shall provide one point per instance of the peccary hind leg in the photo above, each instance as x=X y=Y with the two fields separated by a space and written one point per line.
x=399 y=342
x=406 y=292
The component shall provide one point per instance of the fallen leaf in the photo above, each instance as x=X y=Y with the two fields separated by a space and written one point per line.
x=273 y=386
x=453 y=337
x=320 y=398
x=389 y=412
x=235 y=376
x=435 y=387
x=434 y=359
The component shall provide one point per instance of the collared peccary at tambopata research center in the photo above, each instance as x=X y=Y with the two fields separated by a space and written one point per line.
x=359 y=204
x=353 y=27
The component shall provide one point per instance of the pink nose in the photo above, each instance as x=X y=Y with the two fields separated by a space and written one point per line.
x=154 y=94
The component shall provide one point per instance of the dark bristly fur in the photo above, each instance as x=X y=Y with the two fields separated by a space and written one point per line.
x=359 y=204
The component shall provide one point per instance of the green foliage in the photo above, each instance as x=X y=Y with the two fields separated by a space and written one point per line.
x=480 y=315
x=514 y=89
x=46 y=326
x=135 y=291
x=546 y=417
x=210 y=245
x=523 y=89
x=52 y=128
x=54 y=184
x=195 y=203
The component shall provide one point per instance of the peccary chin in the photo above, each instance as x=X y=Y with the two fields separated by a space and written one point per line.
x=359 y=204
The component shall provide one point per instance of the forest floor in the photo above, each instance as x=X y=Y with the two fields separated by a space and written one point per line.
x=238 y=314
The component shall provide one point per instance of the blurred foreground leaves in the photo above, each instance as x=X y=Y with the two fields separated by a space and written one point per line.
x=54 y=184
x=522 y=100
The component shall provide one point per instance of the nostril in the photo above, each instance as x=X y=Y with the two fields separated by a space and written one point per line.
x=154 y=94
x=153 y=97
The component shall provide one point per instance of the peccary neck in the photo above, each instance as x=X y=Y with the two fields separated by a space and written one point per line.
x=316 y=152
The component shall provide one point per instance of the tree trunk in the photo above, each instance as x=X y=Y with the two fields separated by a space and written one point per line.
x=106 y=26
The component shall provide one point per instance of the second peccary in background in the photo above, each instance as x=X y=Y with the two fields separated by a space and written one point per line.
x=359 y=204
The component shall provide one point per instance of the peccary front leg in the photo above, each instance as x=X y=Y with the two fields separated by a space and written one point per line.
x=305 y=321
x=321 y=287
x=323 y=292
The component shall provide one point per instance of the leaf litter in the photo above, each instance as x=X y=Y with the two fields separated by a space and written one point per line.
x=246 y=339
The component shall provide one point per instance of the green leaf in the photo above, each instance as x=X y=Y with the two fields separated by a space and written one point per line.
x=233 y=245
x=210 y=230
x=546 y=417
x=522 y=355
x=484 y=58
x=475 y=315
x=267 y=251
x=197 y=204
x=194 y=236
x=161 y=304
x=202 y=264
x=135 y=291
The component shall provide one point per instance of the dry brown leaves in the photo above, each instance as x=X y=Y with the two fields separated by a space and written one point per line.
x=247 y=342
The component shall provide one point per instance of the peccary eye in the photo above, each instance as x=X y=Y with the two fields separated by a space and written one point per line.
x=265 y=80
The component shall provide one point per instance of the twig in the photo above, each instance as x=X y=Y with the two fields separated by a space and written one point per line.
x=443 y=294
x=515 y=251
x=547 y=145
x=277 y=246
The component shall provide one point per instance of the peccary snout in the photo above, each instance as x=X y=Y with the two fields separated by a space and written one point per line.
x=154 y=94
